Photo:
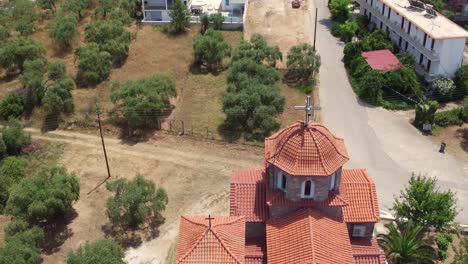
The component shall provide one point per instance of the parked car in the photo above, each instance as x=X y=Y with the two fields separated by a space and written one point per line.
x=296 y=3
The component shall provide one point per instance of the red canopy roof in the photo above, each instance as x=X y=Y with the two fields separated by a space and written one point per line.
x=383 y=60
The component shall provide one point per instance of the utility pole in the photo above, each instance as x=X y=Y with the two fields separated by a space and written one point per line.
x=102 y=140
x=315 y=28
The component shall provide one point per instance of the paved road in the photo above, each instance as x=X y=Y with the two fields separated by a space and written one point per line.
x=379 y=140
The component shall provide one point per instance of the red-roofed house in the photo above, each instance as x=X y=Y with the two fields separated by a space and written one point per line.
x=301 y=207
x=383 y=60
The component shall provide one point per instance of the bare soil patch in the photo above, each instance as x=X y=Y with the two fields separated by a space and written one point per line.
x=195 y=174
x=280 y=24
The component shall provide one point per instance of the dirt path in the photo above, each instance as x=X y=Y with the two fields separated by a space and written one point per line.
x=195 y=174
x=280 y=24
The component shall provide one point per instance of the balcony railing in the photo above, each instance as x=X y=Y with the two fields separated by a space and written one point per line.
x=413 y=40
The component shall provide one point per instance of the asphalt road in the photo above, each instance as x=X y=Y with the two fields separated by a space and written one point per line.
x=379 y=140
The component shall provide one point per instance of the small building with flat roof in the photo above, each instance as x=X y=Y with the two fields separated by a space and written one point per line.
x=436 y=43
x=383 y=60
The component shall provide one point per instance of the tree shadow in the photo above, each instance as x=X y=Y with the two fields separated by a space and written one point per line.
x=229 y=133
x=134 y=237
x=463 y=133
x=327 y=22
x=10 y=74
x=57 y=233
x=201 y=70
x=61 y=52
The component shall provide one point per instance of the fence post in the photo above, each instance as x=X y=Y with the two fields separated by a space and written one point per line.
x=183 y=126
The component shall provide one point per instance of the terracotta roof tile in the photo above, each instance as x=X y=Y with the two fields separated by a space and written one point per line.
x=247 y=197
x=308 y=236
x=277 y=198
x=383 y=60
x=224 y=242
x=359 y=191
x=306 y=151
x=255 y=250
x=367 y=251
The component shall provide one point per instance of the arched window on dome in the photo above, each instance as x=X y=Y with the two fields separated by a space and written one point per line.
x=308 y=189
x=281 y=180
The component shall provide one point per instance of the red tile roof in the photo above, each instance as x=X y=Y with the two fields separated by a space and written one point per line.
x=277 y=198
x=224 y=242
x=383 y=60
x=255 y=250
x=306 y=151
x=308 y=236
x=367 y=251
x=247 y=197
x=359 y=191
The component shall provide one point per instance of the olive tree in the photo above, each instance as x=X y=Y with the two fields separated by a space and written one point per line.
x=15 y=51
x=47 y=4
x=303 y=62
x=23 y=16
x=100 y=251
x=76 y=6
x=12 y=170
x=143 y=101
x=339 y=10
x=134 y=202
x=210 y=49
x=11 y=106
x=425 y=205
x=63 y=29
x=94 y=65
x=258 y=50
x=44 y=197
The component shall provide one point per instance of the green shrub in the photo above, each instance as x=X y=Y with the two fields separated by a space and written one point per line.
x=449 y=118
x=14 y=137
x=210 y=49
x=11 y=106
x=16 y=252
x=348 y=30
x=217 y=20
x=445 y=87
x=94 y=65
x=100 y=251
x=12 y=170
x=443 y=255
x=461 y=82
x=442 y=243
x=465 y=109
x=339 y=10
x=15 y=51
x=425 y=113
x=63 y=29
x=180 y=17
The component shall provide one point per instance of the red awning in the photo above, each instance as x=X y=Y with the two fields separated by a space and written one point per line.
x=383 y=60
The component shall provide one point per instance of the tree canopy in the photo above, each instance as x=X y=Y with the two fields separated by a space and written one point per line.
x=258 y=50
x=63 y=29
x=23 y=16
x=94 y=65
x=245 y=70
x=14 y=137
x=425 y=205
x=44 y=197
x=406 y=246
x=339 y=10
x=461 y=81
x=100 y=251
x=303 y=62
x=180 y=17
x=12 y=105
x=76 y=6
x=210 y=49
x=47 y=4
x=15 y=51
x=12 y=170
x=134 y=202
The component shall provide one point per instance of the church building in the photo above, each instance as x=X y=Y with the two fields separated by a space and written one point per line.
x=300 y=207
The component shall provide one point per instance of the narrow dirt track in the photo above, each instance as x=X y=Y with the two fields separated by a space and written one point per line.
x=195 y=174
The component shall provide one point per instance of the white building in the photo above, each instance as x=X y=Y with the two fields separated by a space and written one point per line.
x=158 y=10
x=436 y=43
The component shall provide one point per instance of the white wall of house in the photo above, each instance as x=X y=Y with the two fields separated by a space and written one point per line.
x=450 y=58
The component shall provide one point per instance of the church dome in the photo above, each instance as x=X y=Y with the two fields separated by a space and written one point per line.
x=306 y=151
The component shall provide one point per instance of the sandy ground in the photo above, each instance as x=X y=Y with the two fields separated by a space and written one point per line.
x=195 y=174
x=280 y=24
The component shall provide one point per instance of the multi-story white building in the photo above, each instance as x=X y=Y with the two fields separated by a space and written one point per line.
x=436 y=43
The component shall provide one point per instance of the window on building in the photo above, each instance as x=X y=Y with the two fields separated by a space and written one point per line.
x=425 y=39
x=428 y=65
x=308 y=189
x=383 y=9
x=406 y=46
x=281 y=180
x=432 y=44
x=359 y=230
x=386 y=29
x=332 y=182
x=389 y=13
x=381 y=24
x=372 y=2
x=421 y=59
x=227 y=2
x=365 y=12
x=402 y=22
x=409 y=27
x=399 y=42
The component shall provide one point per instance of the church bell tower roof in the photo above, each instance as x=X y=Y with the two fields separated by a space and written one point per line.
x=302 y=150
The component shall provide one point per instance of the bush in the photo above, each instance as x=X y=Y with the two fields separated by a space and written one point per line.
x=111 y=37
x=348 y=30
x=217 y=20
x=442 y=242
x=425 y=114
x=47 y=4
x=461 y=82
x=14 y=137
x=134 y=202
x=257 y=49
x=303 y=62
x=58 y=98
x=11 y=106
x=100 y=251
x=143 y=101
x=23 y=16
x=443 y=255
x=17 y=50
x=94 y=65
x=32 y=237
x=44 y=197
x=449 y=118
x=210 y=49
x=246 y=70
x=404 y=80
x=16 y=252
x=12 y=170
x=445 y=87
x=339 y=10
x=371 y=85
x=63 y=29
x=465 y=109
x=180 y=17
x=76 y=6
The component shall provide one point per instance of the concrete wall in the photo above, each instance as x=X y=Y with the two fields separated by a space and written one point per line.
x=451 y=56
x=369 y=228
x=255 y=229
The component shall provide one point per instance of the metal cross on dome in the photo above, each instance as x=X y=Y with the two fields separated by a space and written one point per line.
x=308 y=108
x=209 y=220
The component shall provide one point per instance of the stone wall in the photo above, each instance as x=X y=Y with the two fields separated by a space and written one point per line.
x=369 y=229
x=253 y=229
x=279 y=211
